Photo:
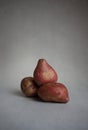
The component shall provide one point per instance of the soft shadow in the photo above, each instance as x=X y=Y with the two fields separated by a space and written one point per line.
x=20 y=94
x=17 y=93
x=36 y=98
x=39 y=100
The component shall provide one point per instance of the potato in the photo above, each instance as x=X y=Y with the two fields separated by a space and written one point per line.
x=53 y=92
x=29 y=87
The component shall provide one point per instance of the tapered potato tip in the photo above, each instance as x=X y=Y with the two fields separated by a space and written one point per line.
x=44 y=73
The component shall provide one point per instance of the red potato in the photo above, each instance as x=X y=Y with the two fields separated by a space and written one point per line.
x=53 y=92
x=44 y=73
x=29 y=87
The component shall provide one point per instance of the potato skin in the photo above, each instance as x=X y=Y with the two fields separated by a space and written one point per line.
x=53 y=92
x=29 y=87
x=44 y=73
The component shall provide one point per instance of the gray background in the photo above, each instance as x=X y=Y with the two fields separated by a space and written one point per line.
x=56 y=30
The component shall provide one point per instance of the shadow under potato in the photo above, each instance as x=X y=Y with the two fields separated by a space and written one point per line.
x=17 y=93
x=20 y=94
x=34 y=98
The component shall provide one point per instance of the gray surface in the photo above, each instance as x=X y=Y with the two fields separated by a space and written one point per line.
x=56 y=30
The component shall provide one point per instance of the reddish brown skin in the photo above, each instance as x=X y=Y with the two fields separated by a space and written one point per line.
x=44 y=73
x=53 y=92
x=29 y=87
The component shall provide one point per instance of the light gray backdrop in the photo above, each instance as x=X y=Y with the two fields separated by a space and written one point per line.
x=56 y=30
